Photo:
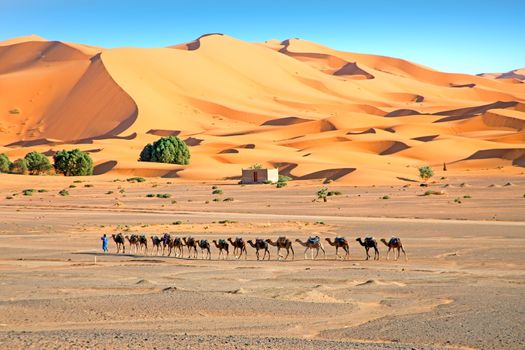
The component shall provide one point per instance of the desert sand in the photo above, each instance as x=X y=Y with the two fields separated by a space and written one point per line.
x=461 y=288
x=313 y=111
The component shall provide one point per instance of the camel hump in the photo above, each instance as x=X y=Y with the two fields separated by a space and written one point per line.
x=222 y=241
x=314 y=239
x=395 y=240
x=340 y=239
x=369 y=239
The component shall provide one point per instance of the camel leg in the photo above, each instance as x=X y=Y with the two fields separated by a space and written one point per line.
x=376 y=252
x=387 y=253
x=287 y=253
x=337 y=252
x=268 y=254
x=367 y=255
x=293 y=253
x=305 y=253
x=347 y=255
x=406 y=258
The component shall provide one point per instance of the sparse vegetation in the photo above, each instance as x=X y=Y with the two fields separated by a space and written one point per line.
x=281 y=184
x=73 y=163
x=88 y=185
x=173 y=202
x=228 y=199
x=169 y=149
x=425 y=173
x=28 y=192
x=322 y=194
x=72 y=186
x=77 y=181
x=267 y=182
x=216 y=199
x=217 y=191
x=457 y=200
x=467 y=197
x=178 y=222
x=42 y=190
x=214 y=187
x=135 y=179
x=432 y=192
x=15 y=111
x=8 y=197
x=109 y=192
x=319 y=223
x=163 y=195
x=150 y=195
x=19 y=166
x=64 y=193
x=226 y=222
x=5 y=163
x=385 y=197
x=256 y=166
x=333 y=193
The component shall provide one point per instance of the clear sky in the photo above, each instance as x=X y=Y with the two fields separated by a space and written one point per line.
x=450 y=35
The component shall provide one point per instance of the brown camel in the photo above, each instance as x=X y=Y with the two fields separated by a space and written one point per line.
x=156 y=242
x=166 y=243
x=133 y=242
x=340 y=242
x=205 y=246
x=368 y=243
x=313 y=242
x=222 y=245
x=240 y=245
x=143 y=244
x=192 y=244
x=394 y=243
x=119 y=241
x=282 y=243
x=260 y=244
x=179 y=245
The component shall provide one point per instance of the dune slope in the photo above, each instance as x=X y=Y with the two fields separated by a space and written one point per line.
x=315 y=111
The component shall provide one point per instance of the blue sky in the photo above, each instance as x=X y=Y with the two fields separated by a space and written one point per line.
x=456 y=36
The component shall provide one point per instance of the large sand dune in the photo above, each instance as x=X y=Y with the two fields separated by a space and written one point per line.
x=371 y=118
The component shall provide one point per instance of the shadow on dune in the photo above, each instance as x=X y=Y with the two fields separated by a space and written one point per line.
x=104 y=167
x=464 y=113
x=286 y=121
x=516 y=155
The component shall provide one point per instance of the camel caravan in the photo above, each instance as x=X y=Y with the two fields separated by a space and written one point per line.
x=168 y=244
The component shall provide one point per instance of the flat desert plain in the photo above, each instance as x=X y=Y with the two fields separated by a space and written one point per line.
x=462 y=287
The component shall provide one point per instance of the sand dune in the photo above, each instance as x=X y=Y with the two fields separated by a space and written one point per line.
x=293 y=102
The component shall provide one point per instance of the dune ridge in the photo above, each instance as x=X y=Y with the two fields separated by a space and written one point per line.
x=318 y=112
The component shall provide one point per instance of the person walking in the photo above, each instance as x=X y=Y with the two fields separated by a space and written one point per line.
x=104 y=240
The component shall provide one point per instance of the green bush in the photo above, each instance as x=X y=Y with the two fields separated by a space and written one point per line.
x=5 y=163
x=150 y=195
x=281 y=184
x=19 y=166
x=14 y=111
x=322 y=194
x=228 y=199
x=216 y=199
x=267 y=182
x=178 y=222
x=255 y=166
x=425 y=173
x=88 y=185
x=457 y=200
x=72 y=186
x=42 y=190
x=385 y=197
x=109 y=192
x=284 y=178
x=37 y=163
x=78 y=181
x=73 y=163
x=135 y=179
x=64 y=193
x=28 y=192
x=217 y=191
x=169 y=149
x=214 y=187
x=333 y=193
x=163 y=195
x=8 y=197
x=467 y=196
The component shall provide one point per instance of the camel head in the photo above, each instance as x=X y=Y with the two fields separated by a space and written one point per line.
x=385 y=242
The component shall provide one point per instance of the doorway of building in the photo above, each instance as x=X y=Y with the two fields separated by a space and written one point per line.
x=255 y=178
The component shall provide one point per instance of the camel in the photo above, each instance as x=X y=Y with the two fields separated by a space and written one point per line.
x=282 y=243
x=340 y=242
x=313 y=242
x=238 y=244
x=178 y=244
x=222 y=245
x=156 y=242
x=133 y=242
x=143 y=243
x=166 y=239
x=260 y=244
x=205 y=246
x=394 y=243
x=191 y=243
x=368 y=243
x=119 y=241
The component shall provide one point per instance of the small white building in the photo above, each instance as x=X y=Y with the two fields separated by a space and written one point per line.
x=257 y=176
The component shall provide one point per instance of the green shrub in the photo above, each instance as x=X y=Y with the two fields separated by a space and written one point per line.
x=88 y=185
x=322 y=194
x=284 y=178
x=228 y=199
x=169 y=149
x=217 y=191
x=267 y=182
x=14 y=111
x=319 y=223
x=163 y=195
x=42 y=190
x=64 y=193
x=8 y=197
x=150 y=195
x=216 y=199
x=109 y=192
x=5 y=163
x=385 y=197
x=178 y=222
x=77 y=181
x=19 y=166
x=256 y=166
x=122 y=190
x=214 y=187
x=173 y=202
x=467 y=197
x=72 y=186
x=28 y=192
x=280 y=184
x=425 y=173
x=135 y=179
x=73 y=163
x=457 y=200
